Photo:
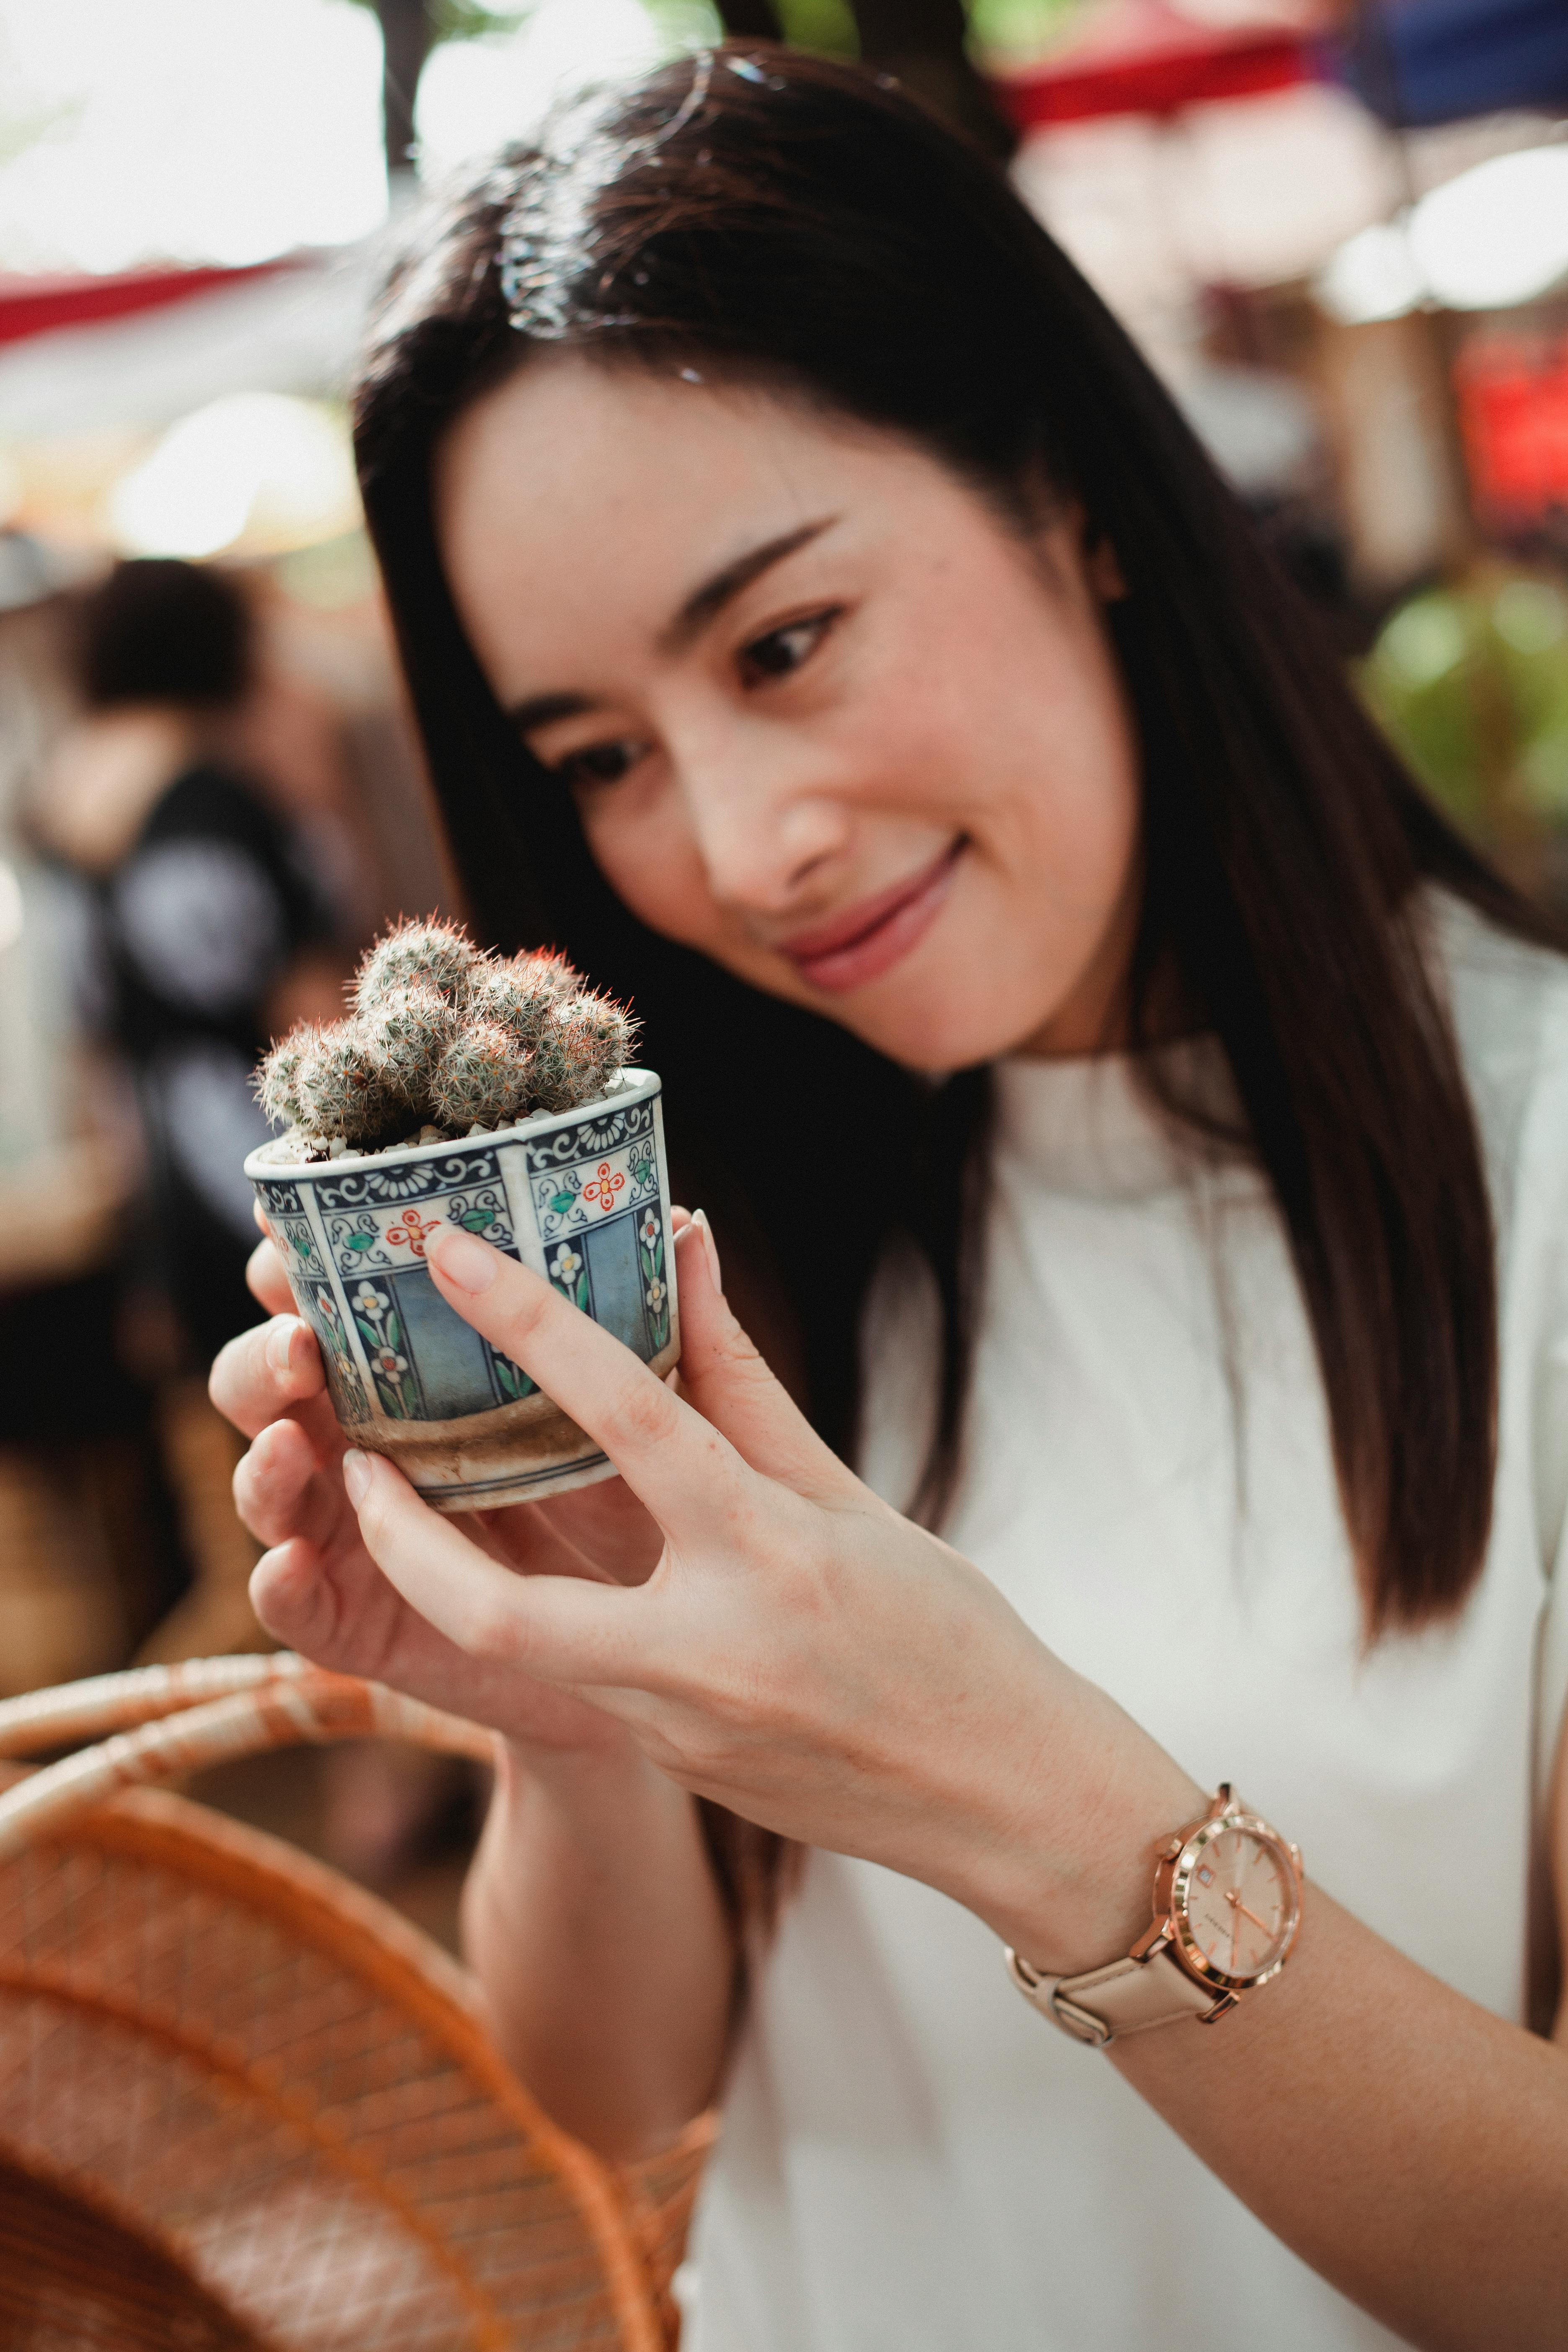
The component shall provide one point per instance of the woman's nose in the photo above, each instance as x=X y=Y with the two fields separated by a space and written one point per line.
x=766 y=820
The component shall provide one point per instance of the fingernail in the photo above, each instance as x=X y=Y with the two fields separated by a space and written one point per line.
x=700 y=1219
x=466 y=1262
x=356 y=1477
x=281 y=1343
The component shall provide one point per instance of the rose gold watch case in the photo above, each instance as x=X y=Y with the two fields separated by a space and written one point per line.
x=1173 y=1880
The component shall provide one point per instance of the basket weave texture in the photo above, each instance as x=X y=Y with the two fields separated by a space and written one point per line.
x=265 y=2079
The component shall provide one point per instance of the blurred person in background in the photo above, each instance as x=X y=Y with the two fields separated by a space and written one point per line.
x=205 y=936
x=87 y=1555
x=200 y=798
x=210 y=937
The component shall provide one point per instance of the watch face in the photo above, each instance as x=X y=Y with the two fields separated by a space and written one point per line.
x=1237 y=1902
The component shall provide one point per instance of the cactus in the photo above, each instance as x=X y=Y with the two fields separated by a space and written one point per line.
x=342 y=1091
x=446 y=1036
x=407 y=1029
x=520 y=993
x=278 y=1079
x=436 y=955
x=482 y=1079
x=600 y=1034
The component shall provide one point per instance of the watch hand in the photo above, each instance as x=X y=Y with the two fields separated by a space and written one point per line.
x=1245 y=1913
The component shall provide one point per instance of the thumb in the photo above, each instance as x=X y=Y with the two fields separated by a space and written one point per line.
x=724 y=1377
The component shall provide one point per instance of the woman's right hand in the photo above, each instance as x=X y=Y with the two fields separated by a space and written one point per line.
x=317 y=1588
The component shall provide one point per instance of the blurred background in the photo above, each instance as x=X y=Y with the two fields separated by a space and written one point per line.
x=1338 y=231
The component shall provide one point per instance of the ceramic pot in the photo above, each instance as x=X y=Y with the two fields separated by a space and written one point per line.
x=581 y=1196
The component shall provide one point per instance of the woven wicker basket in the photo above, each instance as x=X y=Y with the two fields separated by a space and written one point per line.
x=243 y=2104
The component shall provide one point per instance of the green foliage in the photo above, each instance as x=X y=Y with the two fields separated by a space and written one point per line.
x=686 y=24
x=443 y=1036
x=1472 y=685
x=463 y=20
x=1022 y=27
x=827 y=26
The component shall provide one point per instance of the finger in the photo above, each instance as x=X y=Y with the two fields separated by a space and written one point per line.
x=295 y=1601
x=266 y=1372
x=343 y=1614
x=669 y=1455
x=726 y=1378
x=558 y=1629
x=266 y=1279
x=282 y=1491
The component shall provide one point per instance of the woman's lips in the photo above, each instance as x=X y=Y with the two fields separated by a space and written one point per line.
x=867 y=941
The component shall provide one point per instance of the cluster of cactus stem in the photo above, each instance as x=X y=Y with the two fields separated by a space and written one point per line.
x=442 y=1039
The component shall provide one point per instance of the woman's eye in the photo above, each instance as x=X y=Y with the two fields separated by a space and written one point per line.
x=598 y=763
x=783 y=650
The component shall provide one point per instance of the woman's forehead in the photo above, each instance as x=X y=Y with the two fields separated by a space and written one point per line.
x=624 y=488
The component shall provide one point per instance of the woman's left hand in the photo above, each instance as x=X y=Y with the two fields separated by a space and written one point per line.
x=801 y=1653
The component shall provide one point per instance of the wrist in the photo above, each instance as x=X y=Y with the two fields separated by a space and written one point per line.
x=1071 y=1884
x=607 y=1777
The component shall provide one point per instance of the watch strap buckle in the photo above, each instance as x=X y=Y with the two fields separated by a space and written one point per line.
x=1128 y=1996
x=1044 y=1993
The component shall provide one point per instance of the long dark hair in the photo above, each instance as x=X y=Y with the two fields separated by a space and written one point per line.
x=784 y=220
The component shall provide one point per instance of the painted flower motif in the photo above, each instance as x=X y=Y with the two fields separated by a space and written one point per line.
x=387 y=1362
x=601 y=1191
x=656 y=1297
x=370 y=1302
x=566 y=1264
x=412 y=1231
x=648 y=1229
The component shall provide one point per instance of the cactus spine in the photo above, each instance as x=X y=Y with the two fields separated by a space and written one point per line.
x=480 y=1079
x=443 y=1035
x=438 y=955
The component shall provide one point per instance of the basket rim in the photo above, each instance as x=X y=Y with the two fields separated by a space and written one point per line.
x=359 y=1931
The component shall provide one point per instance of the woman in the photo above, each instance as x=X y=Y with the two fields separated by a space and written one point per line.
x=822 y=624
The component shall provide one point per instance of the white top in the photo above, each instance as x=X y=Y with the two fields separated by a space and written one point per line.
x=912 y=2160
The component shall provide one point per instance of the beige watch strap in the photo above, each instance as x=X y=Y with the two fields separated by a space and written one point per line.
x=1123 y=1997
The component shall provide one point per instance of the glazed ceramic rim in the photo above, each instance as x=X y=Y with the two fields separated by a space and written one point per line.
x=261 y=1166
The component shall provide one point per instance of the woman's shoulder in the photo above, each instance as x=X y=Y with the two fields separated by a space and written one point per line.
x=1509 y=1002
x=1509 y=997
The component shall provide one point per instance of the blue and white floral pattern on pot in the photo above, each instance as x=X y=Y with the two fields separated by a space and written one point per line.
x=582 y=1196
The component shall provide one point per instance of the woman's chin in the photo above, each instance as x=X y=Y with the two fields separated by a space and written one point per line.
x=935 y=1037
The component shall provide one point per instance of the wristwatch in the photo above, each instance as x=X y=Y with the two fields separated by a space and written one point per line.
x=1227 y=1904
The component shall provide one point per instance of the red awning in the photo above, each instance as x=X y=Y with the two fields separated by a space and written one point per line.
x=37 y=306
x=1147 y=59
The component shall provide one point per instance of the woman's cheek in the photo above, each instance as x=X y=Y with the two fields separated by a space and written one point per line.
x=650 y=861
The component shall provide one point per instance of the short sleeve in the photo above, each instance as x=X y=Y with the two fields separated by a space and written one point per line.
x=211 y=906
x=203 y=925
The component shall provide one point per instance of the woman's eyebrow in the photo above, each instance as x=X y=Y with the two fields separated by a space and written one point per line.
x=542 y=710
x=706 y=602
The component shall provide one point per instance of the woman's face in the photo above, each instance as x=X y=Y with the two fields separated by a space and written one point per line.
x=825 y=716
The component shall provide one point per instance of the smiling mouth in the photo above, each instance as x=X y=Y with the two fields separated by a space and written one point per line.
x=867 y=941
